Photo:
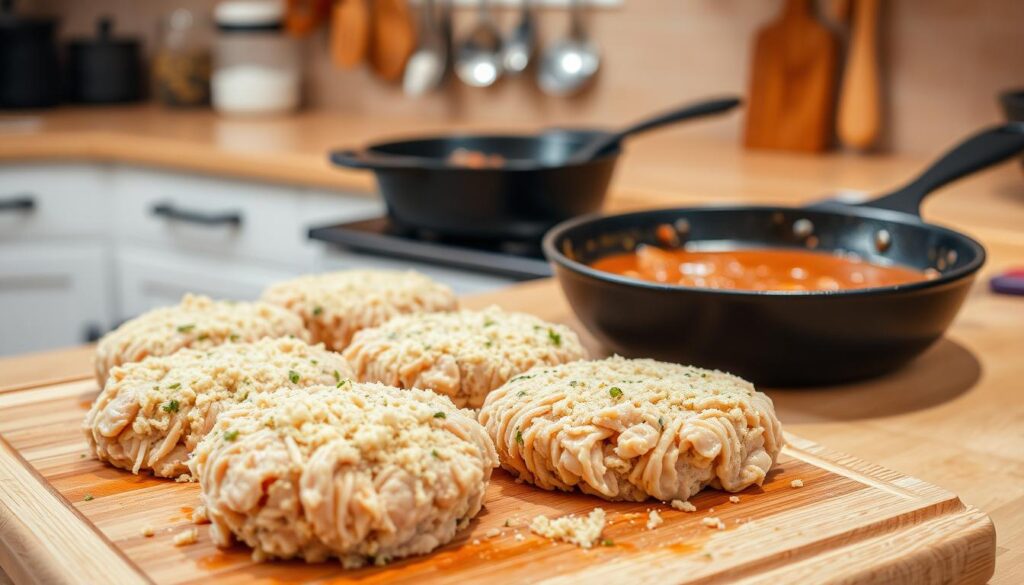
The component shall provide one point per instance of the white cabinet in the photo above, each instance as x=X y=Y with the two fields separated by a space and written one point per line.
x=55 y=281
x=52 y=295
x=85 y=246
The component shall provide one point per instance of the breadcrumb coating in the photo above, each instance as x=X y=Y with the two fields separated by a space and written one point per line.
x=151 y=414
x=197 y=322
x=463 y=355
x=335 y=305
x=365 y=473
x=632 y=429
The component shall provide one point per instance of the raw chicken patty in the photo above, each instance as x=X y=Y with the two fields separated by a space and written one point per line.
x=463 y=355
x=633 y=429
x=197 y=322
x=335 y=305
x=364 y=473
x=151 y=414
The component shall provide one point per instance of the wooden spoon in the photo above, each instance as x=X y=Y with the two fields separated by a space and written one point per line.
x=350 y=32
x=860 y=110
x=393 y=39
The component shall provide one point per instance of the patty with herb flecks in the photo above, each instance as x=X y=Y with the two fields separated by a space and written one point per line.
x=463 y=355
x=626 y=429
x=335 y=305
x=365 y=473
x=151 y=414
x=198 y=322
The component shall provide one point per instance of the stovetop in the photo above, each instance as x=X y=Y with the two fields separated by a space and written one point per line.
x=520 y=260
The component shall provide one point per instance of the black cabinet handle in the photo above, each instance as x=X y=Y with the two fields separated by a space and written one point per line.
x=167 y=210
x=20 y=202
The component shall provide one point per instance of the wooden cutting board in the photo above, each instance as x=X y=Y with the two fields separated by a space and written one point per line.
x=793 y=77
x=65 y=517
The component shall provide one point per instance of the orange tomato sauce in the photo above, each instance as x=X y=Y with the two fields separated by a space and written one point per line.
x=756 y=269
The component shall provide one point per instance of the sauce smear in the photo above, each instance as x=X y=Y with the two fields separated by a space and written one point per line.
x=756 y=269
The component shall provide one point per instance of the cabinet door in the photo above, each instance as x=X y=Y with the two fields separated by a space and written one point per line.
x=62 y=201
x=150 y=278
x=52 y=295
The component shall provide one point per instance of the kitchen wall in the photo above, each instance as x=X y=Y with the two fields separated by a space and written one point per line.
x=945 y=62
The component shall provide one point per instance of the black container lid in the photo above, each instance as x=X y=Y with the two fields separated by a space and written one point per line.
x=104 y=37
x=12 y=23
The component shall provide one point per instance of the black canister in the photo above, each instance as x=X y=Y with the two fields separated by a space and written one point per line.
x=29 y=68
x=105 y=69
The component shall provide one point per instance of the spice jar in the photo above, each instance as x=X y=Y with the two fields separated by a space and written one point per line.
x=256 y=66
x=182 y=63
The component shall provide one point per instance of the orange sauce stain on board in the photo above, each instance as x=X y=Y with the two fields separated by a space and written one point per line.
x=756 y=269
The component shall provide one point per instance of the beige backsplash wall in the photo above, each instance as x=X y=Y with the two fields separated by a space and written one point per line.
x=945 y=61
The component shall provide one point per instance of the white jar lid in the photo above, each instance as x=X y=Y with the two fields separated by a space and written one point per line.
x=249 y=13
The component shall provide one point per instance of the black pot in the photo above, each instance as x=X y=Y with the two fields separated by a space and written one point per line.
x=532 y=191
x=784 y=338
x=105 y=69
x=29 y=67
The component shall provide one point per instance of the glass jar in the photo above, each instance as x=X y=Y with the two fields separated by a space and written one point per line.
x=181 y=67
x=256 y=65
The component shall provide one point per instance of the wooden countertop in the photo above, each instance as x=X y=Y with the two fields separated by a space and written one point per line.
x=955 y=417
x=674 y=166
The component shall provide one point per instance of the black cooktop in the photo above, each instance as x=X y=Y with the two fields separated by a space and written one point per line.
x=517 y=259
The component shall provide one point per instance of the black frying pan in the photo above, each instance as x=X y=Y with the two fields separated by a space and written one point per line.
x=542 y=182
x=785 y=338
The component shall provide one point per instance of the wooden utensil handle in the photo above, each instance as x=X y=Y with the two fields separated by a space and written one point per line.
x=860 y=115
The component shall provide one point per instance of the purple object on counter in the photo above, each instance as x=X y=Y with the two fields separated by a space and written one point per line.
x=1010 y=282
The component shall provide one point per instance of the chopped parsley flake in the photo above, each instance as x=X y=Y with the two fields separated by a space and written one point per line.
x=312 y=362
x=521 y=393
x=233 y=337
x=318 y=310
x=433 y=452
x=555 y=337
x=488 y=322
x=88 y=498
x=615 y=392
x=661 y=423
x=186 y=328
x=607 y=542
x=203 y=337
x=337 y=376
x=573 y=383
x=293 y=376
x=341 y=383
x=519 y=436
x=230 y=435
x=171 y=406
x=488 y=343
x=439 y=414
x=175 y=386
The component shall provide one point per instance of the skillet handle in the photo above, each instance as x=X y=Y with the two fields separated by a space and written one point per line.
x=353 y=159
x=982 y=150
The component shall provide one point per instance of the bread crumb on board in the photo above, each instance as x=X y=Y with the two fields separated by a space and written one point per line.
x=734 y=499
x=683 y=506
x=199 y=515
x=713 y=522
x=186 y=537
x=147 y=530
x=797 y=483
x=583 y=531
x=492 y=532
x=654 y=520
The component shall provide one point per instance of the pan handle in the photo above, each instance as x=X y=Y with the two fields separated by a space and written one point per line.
x=982 y=150
x=366 y=159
